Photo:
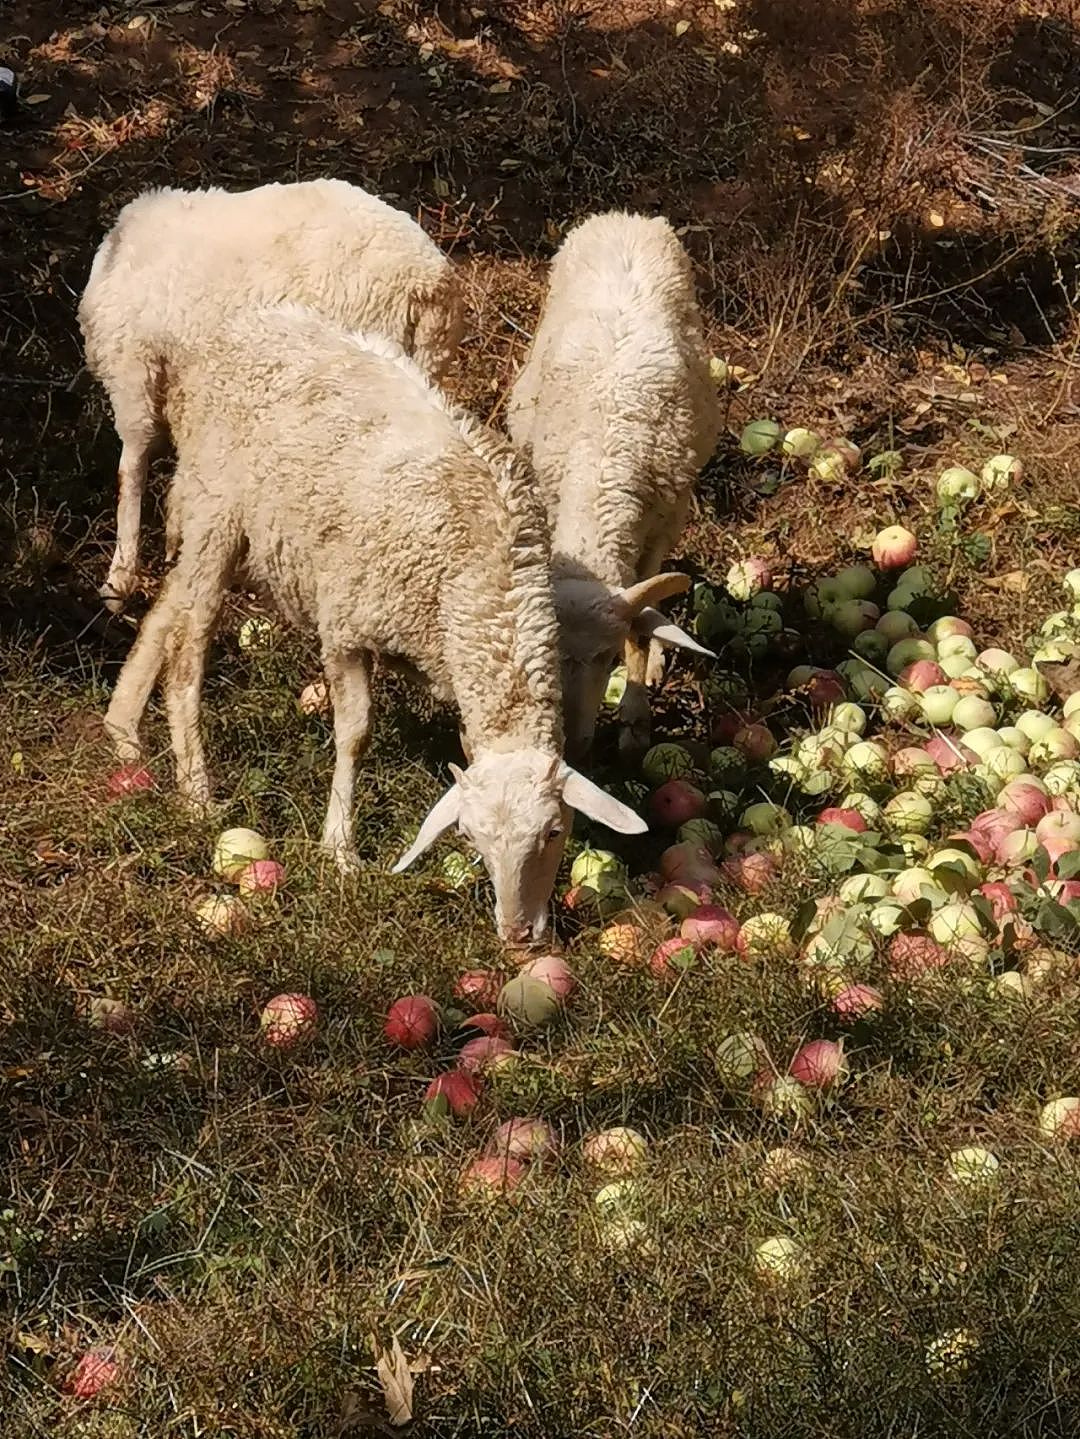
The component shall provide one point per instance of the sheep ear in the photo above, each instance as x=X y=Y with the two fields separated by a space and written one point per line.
x=652 y=591
x=443 y=813
x=651 y=624
x=581 y=794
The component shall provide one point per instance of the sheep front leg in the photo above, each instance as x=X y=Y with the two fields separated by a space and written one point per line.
x=634 y=720
x=349 y=678
x=188 y=644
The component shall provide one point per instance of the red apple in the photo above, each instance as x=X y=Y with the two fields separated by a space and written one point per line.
x=554 y=972
x=1001 y=899
x=478 y=987
x=129 y=779
x=894 y=548
x=825 y=689
x=712 y=926
x=672 y=957
x=911 y=955
x=484 y=1024
x=111 y=1015
x=95 y=1371
x=1059 y=834
x=523 y=1140
x=855 y=1001
x=848 y=818
x=818 y=1064
x=688 y=864
x=675 y=802
x=752 y=873
x=288 y=1020
x=456 y=1092
x=492 y=1175
x=481 y=1054
x=949 y=754
x=921 y=676
x=261 y=876
x=756 y=742
x=1026 y=801
x=412 y=1022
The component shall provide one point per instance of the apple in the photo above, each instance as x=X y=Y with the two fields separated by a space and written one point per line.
x=818 y=1064
x=852 y=617
x=96 y=1370
x=782 y=1096
x=477 y=1025
x=937 y=703
x=235 y=850
x=288 y=1020
x=846 y=818
x=524 y=1140
x=111 y=1015
x=530 y=1001
x=222 y=915
x=765 y=818
x=1016 y=849
x=261 y=876
x=856 y=1001
x=911 y=651
x=314 y=699
x=711 y=926
x=688 y=864
x=1059 y=834
x=552 y=970
x=673 y=957
x=598 y=869
x=922 y=675
x=972 y=712
x=897 y=625
x=748 y=577
x=664 y=762
x=779 y=1259
x=999 y=472
x=129 y=779
x=784 y=1166
x=1028 y=684
x=1057 y=744
x=491 y=1176
x=860 y=887
x=1060 y=1118
x=893 y=548
x=256 y=633
x=412 y=1022
x=478 y=1055
x=478 y=988
x=674 y=803
x=456 y=1092
x=684 y=899
x=948 y=754
x=620 y=1150
x=953 y=921
x=982 y=739
x=738 y=1058
x=765 y=936
x=755 y=742
x=973 y=1165
x=898 y=704
x=1001 y=899
x=907 y=813
x=752 y=873
x=912 y=955
x=954 y=870
x=957 y=484
x=950 y=1353
x=800 y=444
x=829 y=466
x=622 y=1234
x=866 y=760
x=759 y=437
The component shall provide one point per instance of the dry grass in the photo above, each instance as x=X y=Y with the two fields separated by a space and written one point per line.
x=881 y=199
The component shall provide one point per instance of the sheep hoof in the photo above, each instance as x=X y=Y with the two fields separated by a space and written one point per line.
x=345 y=858
x=117 y=589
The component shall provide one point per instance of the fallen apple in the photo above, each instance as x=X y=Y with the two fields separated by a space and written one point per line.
x=412 y=1021
x=288 y=1020
x=235 y=850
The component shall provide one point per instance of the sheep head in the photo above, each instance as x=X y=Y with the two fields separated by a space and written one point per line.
x=595 y=620
x=513 y=806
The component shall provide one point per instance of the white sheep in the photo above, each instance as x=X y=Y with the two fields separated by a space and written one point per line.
x=392 y=524
x=176 y=262
x=617 y=411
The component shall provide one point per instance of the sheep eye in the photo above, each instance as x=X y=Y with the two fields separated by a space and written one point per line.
x=555 y=832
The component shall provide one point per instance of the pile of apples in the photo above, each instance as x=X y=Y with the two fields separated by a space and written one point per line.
x=241 y=857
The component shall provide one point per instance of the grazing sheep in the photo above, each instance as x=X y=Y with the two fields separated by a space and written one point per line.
x=393 y=525
x=617 y=411
x=177 y=261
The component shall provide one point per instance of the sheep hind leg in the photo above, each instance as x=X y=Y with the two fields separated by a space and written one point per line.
x=349 y=678
x=133 y=689
x=135 y=392
x=634 y=720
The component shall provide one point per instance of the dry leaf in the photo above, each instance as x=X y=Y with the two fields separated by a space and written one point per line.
x=1015 y=582
x=1063 y=679
x=936 y=218
x=681 y=27
x=38 y=99
x=397 y=1384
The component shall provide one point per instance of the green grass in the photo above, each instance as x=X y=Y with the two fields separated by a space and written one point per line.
x=241 y=1227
